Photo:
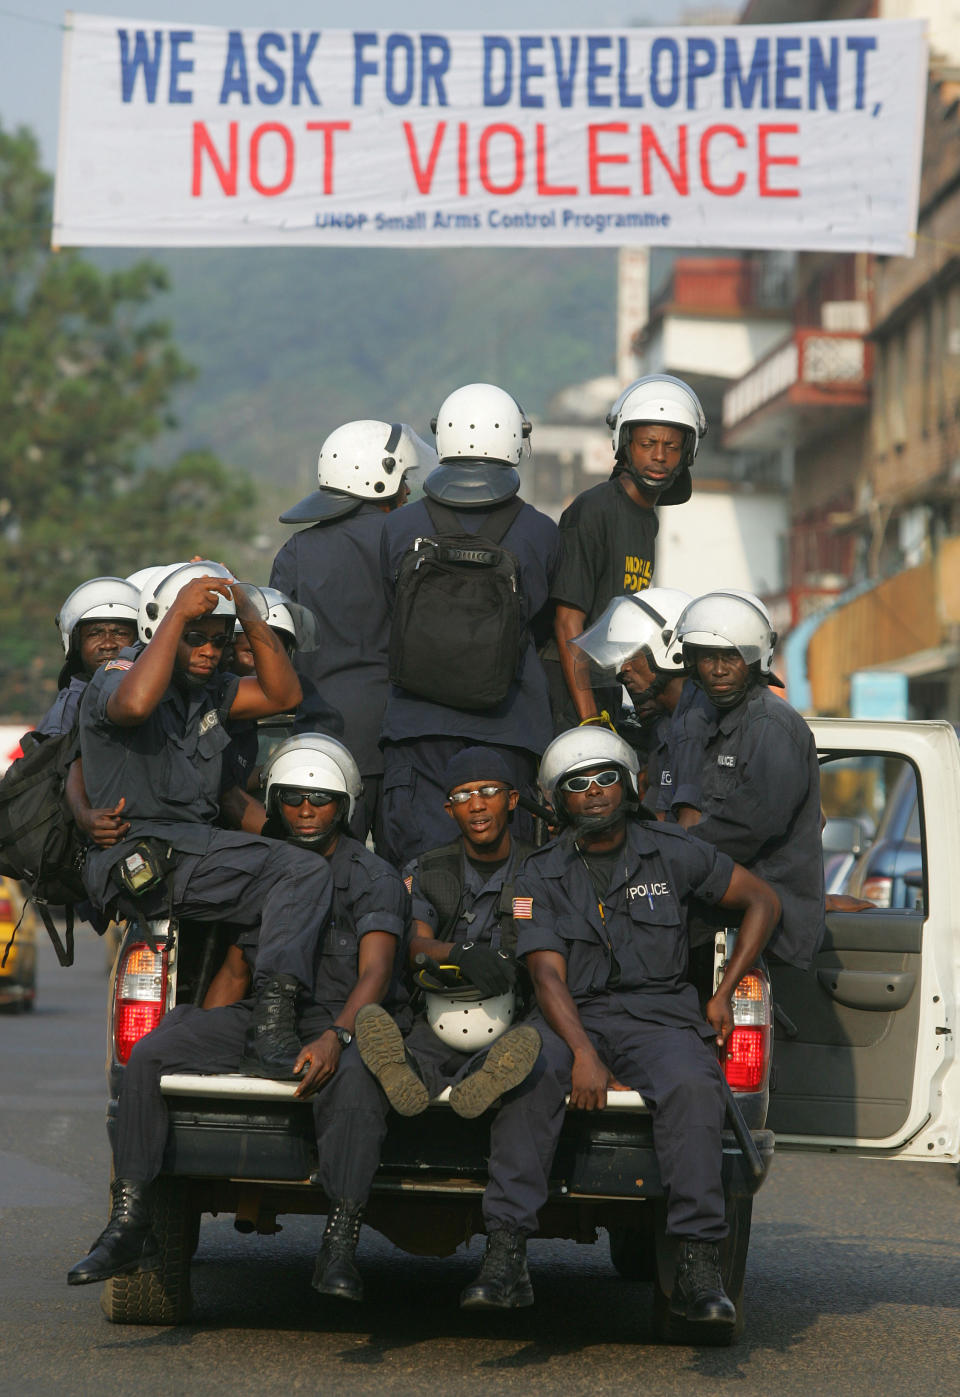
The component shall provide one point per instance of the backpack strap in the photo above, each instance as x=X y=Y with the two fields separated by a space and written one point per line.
x=441 y=881
x=499 y=519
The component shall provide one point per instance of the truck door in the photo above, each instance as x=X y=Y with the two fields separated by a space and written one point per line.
x=861 y=1049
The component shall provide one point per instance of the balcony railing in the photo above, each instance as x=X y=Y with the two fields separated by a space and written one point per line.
x=820 y=358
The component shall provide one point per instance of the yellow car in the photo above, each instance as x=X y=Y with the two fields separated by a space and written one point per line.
x=18 y=978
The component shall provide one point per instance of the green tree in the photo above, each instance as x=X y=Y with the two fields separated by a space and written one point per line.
x=86 y=378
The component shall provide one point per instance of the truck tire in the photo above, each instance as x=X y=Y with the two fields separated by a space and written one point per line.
x=161 y=1296
x=668 y=1327
x=632 y=1248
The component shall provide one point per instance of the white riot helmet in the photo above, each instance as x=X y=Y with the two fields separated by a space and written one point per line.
x=363 y=460
x=298 y=623
x=639 y=621
x=468 y=1021
x=579 y=749
x=159 y=594
x=669 y=401
x=730 y=620
x=311 y=761
x=481 y=431
x=99 y=599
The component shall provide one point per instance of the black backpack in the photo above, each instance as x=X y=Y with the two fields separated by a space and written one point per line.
x=39 y=842
x=458 y=628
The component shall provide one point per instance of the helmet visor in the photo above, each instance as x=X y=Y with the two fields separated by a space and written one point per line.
x=623 y=629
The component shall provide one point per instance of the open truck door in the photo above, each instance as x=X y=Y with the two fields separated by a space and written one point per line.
x=865 y=1055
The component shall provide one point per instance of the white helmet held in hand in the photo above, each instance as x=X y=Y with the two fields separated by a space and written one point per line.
x=481 y=431
x=581 y=748
x=311 y=761
x=639 y=621
x=99 y=599
x=468 y=1021
x=729 y=620
x=158 y=596
x=362 y=460
x=667 y=401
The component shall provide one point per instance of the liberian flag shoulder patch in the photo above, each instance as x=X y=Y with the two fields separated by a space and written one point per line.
x=408 y=882
x=117 y=664
x=523 y=908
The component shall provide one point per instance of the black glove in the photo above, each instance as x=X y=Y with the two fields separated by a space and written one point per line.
x=493 y=972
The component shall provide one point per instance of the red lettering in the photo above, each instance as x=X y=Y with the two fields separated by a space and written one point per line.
x=552 y=191
x=595 y=159
x=463 y=158
x=679 y=175
x=270 y=190
x=501 y=129
x=203 y=142
x=329 y=128
x=737 y=183
x=765 y=160
x=424 y=177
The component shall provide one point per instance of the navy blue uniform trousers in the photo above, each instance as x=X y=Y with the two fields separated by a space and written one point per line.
x=677 y=1074
x=349 y=1111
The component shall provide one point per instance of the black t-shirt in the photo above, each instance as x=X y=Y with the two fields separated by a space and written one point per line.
x=607 y=547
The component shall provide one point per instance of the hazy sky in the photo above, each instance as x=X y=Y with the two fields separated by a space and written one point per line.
x=30 y=32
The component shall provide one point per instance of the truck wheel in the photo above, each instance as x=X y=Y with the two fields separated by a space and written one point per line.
x=668 y=1327
x=632 y=1250
x=161 y=1296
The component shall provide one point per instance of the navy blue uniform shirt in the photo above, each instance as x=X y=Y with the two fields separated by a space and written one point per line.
x=760 y=800
x=636 y=948
x=523 y=718
x=334 y=569
x=65 y=709
x=168 y=768
x=479 y=918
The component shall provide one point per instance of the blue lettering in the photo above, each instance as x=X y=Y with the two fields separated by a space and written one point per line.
x=432 y=70
x=300 y=77
x=179 y=65
x=659 y=49
x=362 y=67
x=399 y=96
x=142 y=59
x=529 y=70
x=496 y=44
x=597 y=70
x=627 y=98
x=759 y=75
x=824 y=75
x=701 y=62
x=270 y=96
x=566 y=78
x=235 y=71
x=785 y=72
x=861 y=46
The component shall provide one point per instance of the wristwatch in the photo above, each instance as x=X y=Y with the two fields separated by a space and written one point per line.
x=344 y=1036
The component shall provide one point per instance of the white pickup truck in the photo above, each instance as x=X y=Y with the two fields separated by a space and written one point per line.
x=863 y=1060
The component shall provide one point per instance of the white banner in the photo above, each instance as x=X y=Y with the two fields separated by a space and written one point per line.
x=771 y=136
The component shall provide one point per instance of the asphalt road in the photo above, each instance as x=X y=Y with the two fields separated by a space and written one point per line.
x=853 y=1282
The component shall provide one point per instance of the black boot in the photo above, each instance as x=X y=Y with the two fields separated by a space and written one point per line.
x=126 y=1244
x=698 y=1293
x=335 y=1272
x=503 y=1282
x=272 y=1045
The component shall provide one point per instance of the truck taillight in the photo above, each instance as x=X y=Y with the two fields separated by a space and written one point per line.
x=747 y=1048
x=878 y=890
x=140 y=996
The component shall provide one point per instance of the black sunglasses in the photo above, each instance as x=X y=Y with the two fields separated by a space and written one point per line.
x=197 y=639
x=287 y=796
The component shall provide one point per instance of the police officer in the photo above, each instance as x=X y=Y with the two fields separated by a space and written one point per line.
x=95 y=622
x=152 y=732
x=608 y=534
x=462 y=910
x=312 y=786
x=758 y=797
x=333 y=567
x=603 y=916
x=481 y=435
x=633 y=643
